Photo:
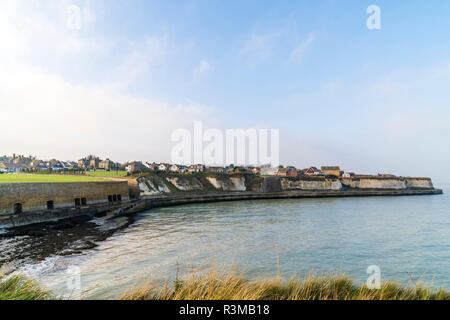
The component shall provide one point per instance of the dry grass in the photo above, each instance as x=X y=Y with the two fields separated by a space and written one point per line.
x=19 y=287
x=231 y=286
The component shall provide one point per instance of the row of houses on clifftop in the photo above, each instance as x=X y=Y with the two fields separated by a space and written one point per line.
x=14 y=164
x=20 y=163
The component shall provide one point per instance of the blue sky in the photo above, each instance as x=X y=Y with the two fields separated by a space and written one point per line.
x=368 y=100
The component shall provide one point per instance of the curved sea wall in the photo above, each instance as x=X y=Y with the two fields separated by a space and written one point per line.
x=31 y=203
x=37 y=196
x=152 y=184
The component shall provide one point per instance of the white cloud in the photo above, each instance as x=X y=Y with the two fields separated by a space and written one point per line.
x=259 y=47
x=45 y=114
x=300 y=51
x=141 y=57
x=49 y=116
x=203 y=68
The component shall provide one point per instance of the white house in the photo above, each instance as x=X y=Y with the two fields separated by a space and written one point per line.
x=163 y=167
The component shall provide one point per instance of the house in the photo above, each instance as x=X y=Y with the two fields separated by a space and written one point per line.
x=287 y=172
x=333 y=170
x=89 y=162
x=38 y=165
x=83 y=163
x=71 y=165
x=163 y=167
x=174 y=168
x=56 y=165
x=196 y=168
x=312 y=171
x=183 y=169
x=107 y=164
x=13 y=167
x=22 y=160
x=151 y=166
x=256 y=171
x=135 y=167
x=94 y=163
x=5 y=159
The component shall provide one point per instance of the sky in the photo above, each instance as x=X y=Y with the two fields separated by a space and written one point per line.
x=120 y=79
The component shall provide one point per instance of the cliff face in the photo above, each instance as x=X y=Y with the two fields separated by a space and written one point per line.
x=228 y=184
x=310 y=184
x=423 y=183
x=387 y=183
x=152 y=184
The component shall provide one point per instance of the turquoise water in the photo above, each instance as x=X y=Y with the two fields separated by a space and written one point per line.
x=407 y=237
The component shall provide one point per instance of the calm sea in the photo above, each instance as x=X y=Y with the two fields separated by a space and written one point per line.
x=408 y=238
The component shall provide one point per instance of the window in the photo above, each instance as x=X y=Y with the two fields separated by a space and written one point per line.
x=77 y=202
x=110 y=198
x=114 y=198
x=119 y=198
x=83 y=201
x=50 y=205
x=17 y=208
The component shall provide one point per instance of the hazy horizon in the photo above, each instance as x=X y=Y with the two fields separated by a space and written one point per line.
x=120 y=80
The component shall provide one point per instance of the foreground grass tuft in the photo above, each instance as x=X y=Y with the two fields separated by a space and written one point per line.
x=219 y=286
x=230 y=286
x=19 y=287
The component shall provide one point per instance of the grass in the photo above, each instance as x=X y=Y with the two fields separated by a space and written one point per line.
x=19 y=287
x=230 y=286
x=109 y=174
x=43 y=178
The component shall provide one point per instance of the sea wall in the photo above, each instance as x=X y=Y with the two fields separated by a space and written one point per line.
x=153 y=185
x=34 y=196
x=423 y=183
x=298 y=183
x=387 y=183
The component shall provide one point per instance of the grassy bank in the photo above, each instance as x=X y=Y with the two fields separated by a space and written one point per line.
x=108 y=174
x=45 y=178
x=19 y=287
x=216 y=286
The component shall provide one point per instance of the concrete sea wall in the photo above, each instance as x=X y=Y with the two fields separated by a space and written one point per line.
x=419 y=183
x=387 y=183
x=34 y=196
x=310 y=184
